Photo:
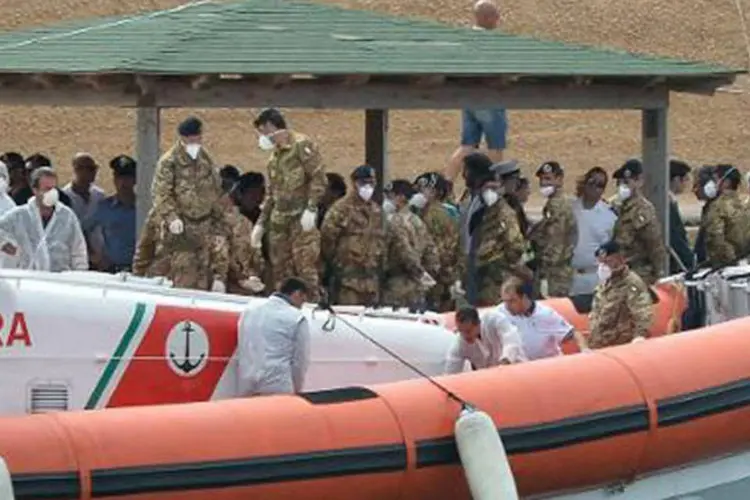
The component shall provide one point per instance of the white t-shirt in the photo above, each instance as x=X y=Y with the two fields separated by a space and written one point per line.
x=499 y=340
x=541 y=332
x=595 y=227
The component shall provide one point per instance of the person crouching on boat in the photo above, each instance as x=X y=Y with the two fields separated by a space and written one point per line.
x=274 y=343
x=485 y=342
x=542 y=329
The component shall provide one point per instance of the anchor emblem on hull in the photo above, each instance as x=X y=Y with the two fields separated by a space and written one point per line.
x=187 y=348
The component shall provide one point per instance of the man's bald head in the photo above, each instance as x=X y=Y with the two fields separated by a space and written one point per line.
x=486 y=14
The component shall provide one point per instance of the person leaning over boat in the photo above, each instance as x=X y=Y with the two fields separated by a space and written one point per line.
x=542 y=329
x=622 y=308
x=489 y=341
x=274 y=343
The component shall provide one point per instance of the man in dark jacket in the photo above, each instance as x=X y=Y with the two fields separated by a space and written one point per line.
x=679 y=174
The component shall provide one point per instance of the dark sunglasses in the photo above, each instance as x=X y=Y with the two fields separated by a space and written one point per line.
x=599 y=184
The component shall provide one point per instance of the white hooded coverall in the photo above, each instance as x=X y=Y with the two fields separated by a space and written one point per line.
x=6 y=202
x=58 y=247
x=273 y=348
x=499 y=340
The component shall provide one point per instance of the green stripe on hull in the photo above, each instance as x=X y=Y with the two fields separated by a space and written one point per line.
x=114 y=362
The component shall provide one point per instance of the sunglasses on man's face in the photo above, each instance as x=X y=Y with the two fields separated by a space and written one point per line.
x=596 y=184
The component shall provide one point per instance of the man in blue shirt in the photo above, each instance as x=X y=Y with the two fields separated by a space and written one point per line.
x=115 y=218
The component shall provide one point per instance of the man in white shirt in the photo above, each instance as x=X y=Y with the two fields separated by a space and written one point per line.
x=596 y=220
x=485 y=342
x=274 y=343
x=541 y=328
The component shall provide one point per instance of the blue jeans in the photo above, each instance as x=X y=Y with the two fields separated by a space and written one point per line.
x=492 y=123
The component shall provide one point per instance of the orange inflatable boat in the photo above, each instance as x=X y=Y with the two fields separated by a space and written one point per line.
x=670 y=304
x=568 y=422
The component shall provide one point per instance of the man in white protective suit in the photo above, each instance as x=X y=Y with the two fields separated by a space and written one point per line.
x=6 y=202
x=485 y=342
x=274 y=343
x=43 y=234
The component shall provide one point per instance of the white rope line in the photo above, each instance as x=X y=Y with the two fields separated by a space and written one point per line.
x=143 y=17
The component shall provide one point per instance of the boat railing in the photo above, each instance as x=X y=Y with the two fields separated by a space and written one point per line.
x=427 y=317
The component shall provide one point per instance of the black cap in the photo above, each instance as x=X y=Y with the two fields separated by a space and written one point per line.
x=608 y=248
x=631 y=168
x=190 y=126
x=678 y=168
x=549 y=167
x=427 y=180
x=123 y=165
x=505 y=168
x=726 y=171
x=363 y=172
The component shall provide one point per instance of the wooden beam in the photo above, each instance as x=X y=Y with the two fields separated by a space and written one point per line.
x=202 y=82
x=428 y=80
x=655 y=151
x=147 y=156
x=276 y=81
x=175 y=92
x=376 y=146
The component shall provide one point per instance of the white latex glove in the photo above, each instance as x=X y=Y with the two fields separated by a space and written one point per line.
x=427 y=281
x=457 y=290
x=256 y=237
x=637 y=339
x=253 y=283
x=544 y=288
x=308 y=220
x=218 y=286
x=176 y=227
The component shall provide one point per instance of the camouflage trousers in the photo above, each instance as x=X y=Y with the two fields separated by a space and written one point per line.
x=559 y=280
x=294 y=252
x=439 y=299
x=196 y=255
x=645 y=271
x=402 y=291
x=357 y=292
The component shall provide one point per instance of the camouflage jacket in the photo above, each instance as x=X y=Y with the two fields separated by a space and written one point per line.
x=727 y=230
x=638 y=232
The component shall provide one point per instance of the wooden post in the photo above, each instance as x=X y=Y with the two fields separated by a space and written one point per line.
x=655 y=153
x=147 y=153
x=376 y=146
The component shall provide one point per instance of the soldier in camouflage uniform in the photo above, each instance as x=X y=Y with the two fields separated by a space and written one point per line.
x=637 y=230
x=296 y=185
x=490 y=234
x=150 y=258
x=556 y=235
x=444 y=232
x=406 y=278
x=353 y=243
x=242 y=276
x=186 y=192
x=727 y=221
x=622 y=309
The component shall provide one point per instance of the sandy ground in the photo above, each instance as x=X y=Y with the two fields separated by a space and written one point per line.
x=702 y=129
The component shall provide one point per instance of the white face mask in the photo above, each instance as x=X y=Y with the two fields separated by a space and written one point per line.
x=389 y=207
x=50 y=198
x=366 y=191
x=710 y=190
x=547 y=191
x=490 y=197
x=192 y=150
x=418 y=200
x=603 y=272
x=265 y=143
x=624 y=192
x=3 y=185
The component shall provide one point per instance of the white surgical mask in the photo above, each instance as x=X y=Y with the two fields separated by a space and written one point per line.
x=418 y=200
x=192 y=150
x=389 y=207
x=50 y=198
x=490 y=197
x=547 y=191
x=710 y=190
x=603 y=272
x=366 y=191
x=3 y=185
x=624 y=192
x=265 y=143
